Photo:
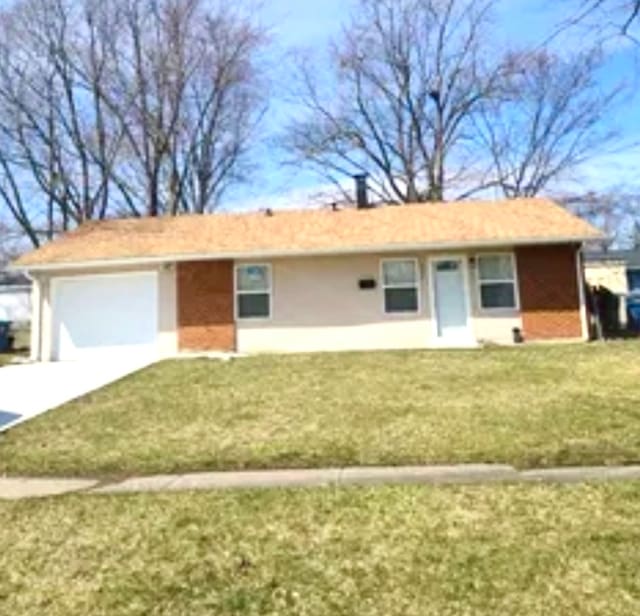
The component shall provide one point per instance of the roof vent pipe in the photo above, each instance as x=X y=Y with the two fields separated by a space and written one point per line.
x=362 y=193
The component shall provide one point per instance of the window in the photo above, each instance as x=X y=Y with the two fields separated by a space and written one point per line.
x=496 y=277
x=400 y=285
x=447 y=266
x=253 y=291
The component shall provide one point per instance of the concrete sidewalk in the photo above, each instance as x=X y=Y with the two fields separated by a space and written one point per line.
x=18 y=488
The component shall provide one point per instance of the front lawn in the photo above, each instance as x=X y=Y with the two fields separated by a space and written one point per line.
x=537 y=406
x=521 y=550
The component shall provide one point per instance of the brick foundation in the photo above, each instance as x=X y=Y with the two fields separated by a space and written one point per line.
x=205 y=306
x=549 y=294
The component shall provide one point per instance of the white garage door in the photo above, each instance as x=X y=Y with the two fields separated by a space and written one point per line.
x=101 y=316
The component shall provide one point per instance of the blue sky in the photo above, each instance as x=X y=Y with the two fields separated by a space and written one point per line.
x=310 y=24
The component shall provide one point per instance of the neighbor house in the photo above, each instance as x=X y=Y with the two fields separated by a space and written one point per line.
x=15 y=297
x=389 y=277
x=618 y=271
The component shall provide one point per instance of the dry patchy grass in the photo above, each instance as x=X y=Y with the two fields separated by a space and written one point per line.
x=535 y=406
x=526 y=550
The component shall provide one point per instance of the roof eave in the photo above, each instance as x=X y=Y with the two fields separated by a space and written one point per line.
x=274 y=254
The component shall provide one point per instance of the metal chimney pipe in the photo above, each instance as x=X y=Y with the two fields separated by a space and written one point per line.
x=362 y=193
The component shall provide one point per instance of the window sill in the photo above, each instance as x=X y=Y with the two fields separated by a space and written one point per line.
x=492 y=312
x=402 y=315
x=253 y=319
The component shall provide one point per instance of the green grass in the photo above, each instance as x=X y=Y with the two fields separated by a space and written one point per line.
x=516 y=550
x=536 y=406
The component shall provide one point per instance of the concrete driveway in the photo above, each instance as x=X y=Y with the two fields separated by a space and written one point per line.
x=28 y=390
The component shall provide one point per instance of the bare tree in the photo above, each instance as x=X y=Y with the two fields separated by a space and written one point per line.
x=9 y=243
x=407 y=77
x=224 y=103
x=127 y=107
x=421 y=101
x=42 y=122
x=185 y=90
x=547 y=120
x=599 y=20
x=620 y=15
x=614 y=211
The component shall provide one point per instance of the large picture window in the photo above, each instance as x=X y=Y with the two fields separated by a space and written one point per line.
x=497 y=280
x=400 y=283
x=253 y=291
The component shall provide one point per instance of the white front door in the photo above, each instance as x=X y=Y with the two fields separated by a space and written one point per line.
x=451 y=310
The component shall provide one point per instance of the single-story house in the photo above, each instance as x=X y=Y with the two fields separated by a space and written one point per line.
x=388 y=277
x=15 y=297
x=618 y=271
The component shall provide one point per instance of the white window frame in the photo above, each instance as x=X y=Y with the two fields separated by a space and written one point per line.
x=417 y=286
x=237 y=292
x=513 y=281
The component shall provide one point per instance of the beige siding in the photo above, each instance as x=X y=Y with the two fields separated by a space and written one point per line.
x=318 y=306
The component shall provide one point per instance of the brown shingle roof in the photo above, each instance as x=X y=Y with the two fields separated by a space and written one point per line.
x=434 y=225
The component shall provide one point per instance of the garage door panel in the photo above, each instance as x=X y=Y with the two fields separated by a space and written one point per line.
x=95 y=316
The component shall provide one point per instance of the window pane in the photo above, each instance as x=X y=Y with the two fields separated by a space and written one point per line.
x=399 y=272
x=253 y=306
x=447 y=266
x=253 y=278
x=401 y=300
x=498 y=295
x=495 y=267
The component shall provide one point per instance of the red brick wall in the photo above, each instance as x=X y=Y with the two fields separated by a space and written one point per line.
x=205 y=306
x=549 y=295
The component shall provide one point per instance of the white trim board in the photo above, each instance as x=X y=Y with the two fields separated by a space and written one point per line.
x=259 y=255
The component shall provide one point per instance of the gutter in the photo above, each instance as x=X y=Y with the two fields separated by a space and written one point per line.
x=276 y=254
